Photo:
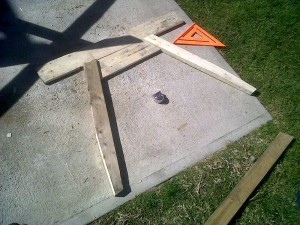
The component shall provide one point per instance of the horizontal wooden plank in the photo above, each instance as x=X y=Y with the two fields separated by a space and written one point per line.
x=125 y=58
x=72 y=62
x=201 y=64
x=229 y=207
x=102 y=125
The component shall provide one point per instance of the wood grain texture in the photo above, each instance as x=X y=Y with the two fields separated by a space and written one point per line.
x=228 y=208
x=73 y=62
x=201 y=64
x=127 y=57
x=102 y=125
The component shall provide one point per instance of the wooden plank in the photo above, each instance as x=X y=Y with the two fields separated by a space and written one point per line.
x=201 y=64
x=127 y=57
x=225 y=212
x=73 y=62
x=102 y=125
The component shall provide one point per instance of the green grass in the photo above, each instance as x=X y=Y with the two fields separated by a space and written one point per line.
x=263 y=46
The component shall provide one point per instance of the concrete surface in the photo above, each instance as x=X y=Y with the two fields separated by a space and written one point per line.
x=51 y=169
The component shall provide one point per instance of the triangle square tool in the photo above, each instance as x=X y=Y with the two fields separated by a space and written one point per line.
x=195 y=35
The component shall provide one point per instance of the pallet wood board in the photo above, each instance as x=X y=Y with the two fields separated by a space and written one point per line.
x=125 y=58
x=200 y=64
x=229 y=207
x=70 y=63
x=102 y=125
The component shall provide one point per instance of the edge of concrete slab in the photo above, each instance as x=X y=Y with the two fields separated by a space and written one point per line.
x=164 y=174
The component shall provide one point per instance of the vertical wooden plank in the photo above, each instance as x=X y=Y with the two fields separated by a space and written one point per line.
x=102 y=125
x=228 y=208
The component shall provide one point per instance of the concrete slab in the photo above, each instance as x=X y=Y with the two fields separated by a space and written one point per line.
x=51 y=168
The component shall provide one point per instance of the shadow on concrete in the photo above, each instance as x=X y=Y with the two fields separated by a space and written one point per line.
x=16 y=47
x=122 y=40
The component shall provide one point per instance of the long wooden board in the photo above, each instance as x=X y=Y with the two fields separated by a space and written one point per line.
x=102 y=125
x=127 y=57
x=200 y=64
x=72 y=62
x=225 y=212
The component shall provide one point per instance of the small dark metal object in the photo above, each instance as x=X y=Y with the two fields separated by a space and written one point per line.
x=159 y=97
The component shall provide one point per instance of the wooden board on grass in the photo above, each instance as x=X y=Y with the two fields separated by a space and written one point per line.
x=229 y=207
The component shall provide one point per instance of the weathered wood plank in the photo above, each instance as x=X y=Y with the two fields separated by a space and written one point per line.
x=228 y=208
x=201 y=64
x=72 y=62
x=102 y=125
x=125 y=58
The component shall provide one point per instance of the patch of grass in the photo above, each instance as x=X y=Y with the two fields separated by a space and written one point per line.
x=263 y=46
